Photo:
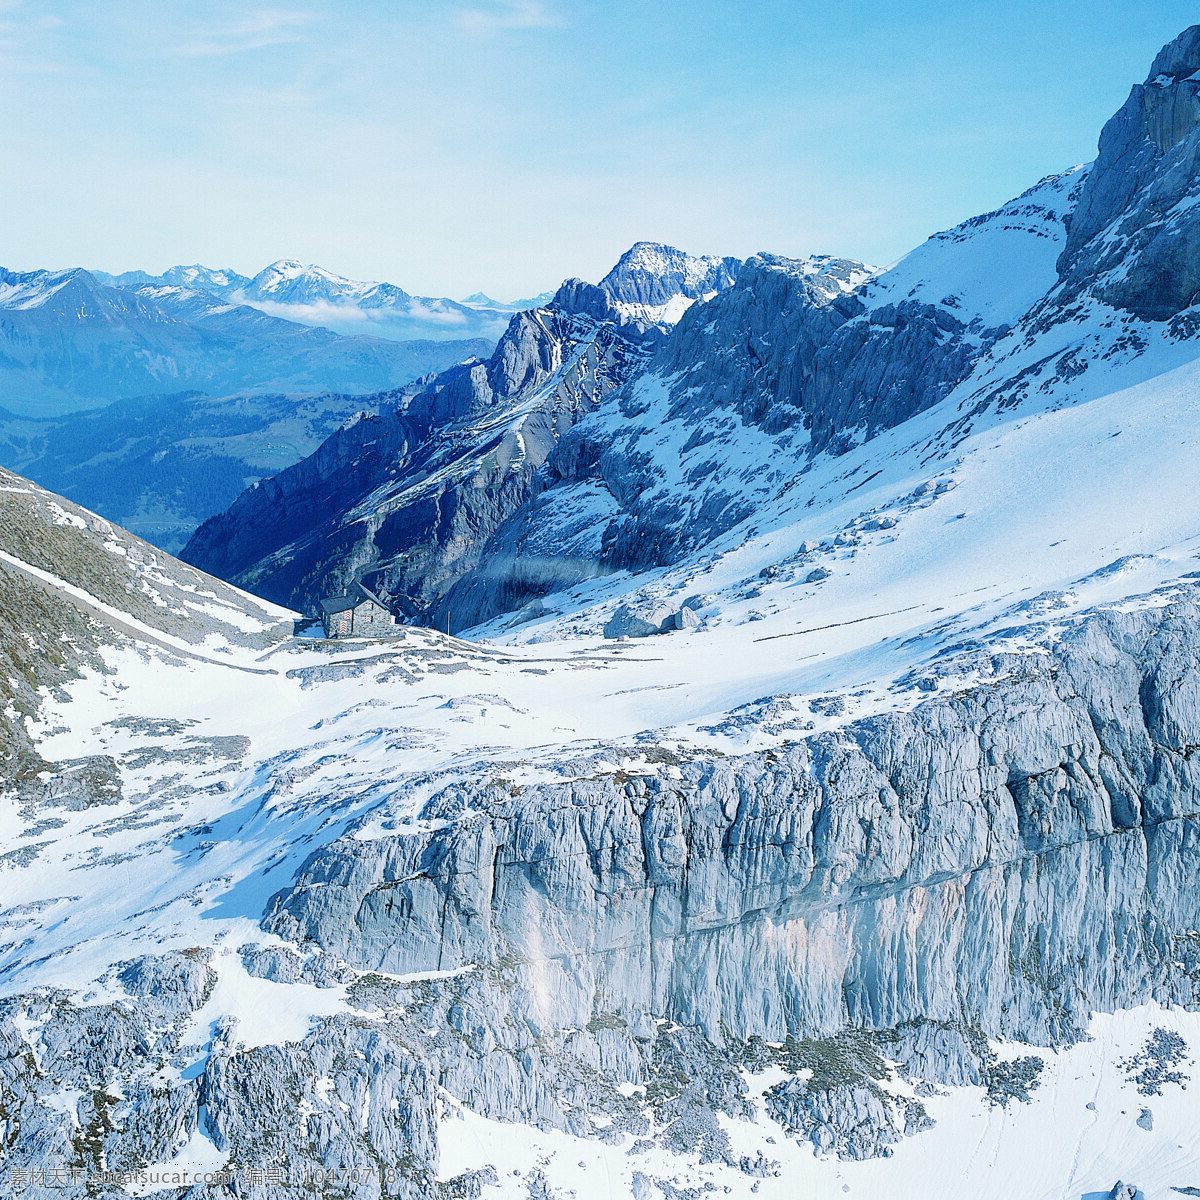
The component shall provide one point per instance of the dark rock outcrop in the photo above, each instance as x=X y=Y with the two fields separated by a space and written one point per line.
x=406 y=500
x=1134 y=239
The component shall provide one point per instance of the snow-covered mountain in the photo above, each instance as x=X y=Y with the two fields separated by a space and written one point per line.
x=69 y=342
x=411 y=498
x=882 y=854
x=310 y=295
x=794 y=359
x=217 y=282
x=796 y=364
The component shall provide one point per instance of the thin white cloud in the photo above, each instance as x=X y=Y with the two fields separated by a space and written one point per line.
x=257 y=30
x=507 y=14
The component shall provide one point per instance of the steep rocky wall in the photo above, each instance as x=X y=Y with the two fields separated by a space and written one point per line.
x=1009 y=858
x=782 y=348
x=1135 y=236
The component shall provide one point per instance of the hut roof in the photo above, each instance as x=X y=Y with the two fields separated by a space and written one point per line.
x=352 y=599
x=337 y=604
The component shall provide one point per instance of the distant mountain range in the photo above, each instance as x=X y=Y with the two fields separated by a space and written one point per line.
x=480 y=300
x=69 y=341
x=160 y=459
x=310 y=295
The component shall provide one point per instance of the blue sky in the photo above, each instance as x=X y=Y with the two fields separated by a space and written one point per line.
x=504 y=144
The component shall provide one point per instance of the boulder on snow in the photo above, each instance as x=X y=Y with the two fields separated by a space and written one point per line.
x=636 y=620
x=646 y=619
x=685 y=618
x=1124 y=1191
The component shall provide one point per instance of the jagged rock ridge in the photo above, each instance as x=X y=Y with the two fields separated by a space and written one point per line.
x=401 y=498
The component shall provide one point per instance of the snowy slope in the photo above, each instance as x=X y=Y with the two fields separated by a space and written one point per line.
x=994 y=266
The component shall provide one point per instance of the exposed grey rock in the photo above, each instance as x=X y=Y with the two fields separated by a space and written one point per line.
x=649 y=273
x=1052 y=811
x=685 y=618
x=939 y=1052
x=1013 y=1079
x=627 y=621
x=169 y=987
x=1134 y=239
x=1124 y=1191
x=649 y=617
x=284 y=965
x=854 y=1121
x=1157 y=1063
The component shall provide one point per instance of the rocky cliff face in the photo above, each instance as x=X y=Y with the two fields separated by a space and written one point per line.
x=1006 y=860
x=651 y=273
x=1135 y=237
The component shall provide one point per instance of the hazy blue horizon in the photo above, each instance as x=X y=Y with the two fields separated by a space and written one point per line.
x=502 y=145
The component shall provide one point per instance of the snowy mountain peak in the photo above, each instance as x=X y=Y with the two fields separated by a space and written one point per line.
x=656 y=284
x=30 y=289
x=295 y=282
x=650 y=273
x=72 y=294
x=206 y=279
x=843 y=274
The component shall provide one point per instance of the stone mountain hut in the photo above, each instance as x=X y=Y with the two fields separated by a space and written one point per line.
x=359 y=613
